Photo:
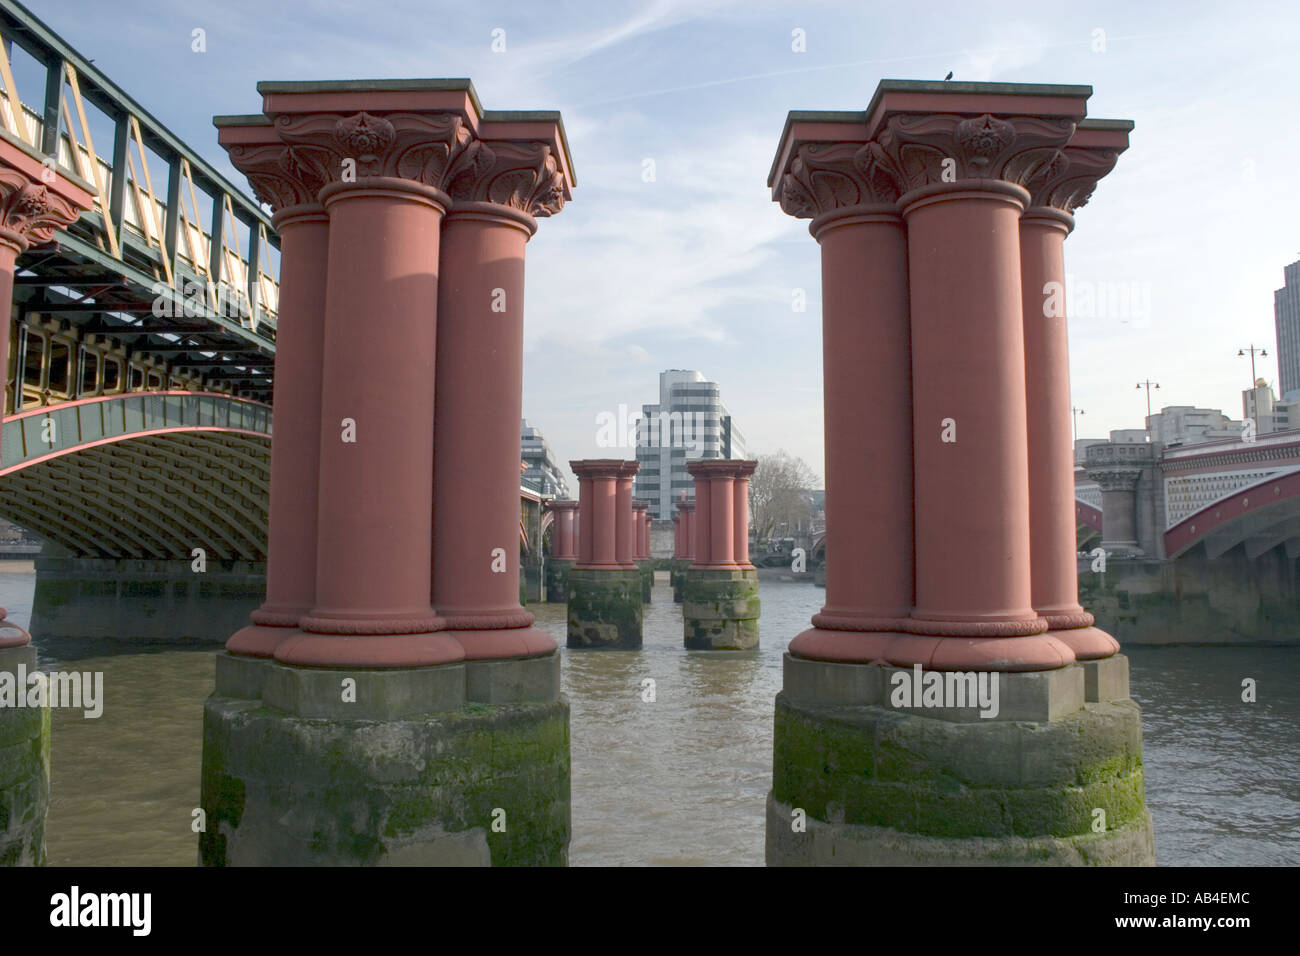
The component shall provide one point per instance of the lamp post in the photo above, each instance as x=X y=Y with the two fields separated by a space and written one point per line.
x=1252 y=350
x=1148 y=385
x=1076 y=412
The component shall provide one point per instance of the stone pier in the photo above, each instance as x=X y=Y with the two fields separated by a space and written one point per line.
x=35 y=200
x=605 y=592
x=352 y=723
x=564 y=551
x=952 y=703
x=720 y=603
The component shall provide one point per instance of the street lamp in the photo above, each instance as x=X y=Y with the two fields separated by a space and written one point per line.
x=1252 y=350
x=1077 y=412
x=1148 y=385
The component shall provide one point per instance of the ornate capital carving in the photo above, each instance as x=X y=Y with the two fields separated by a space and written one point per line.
x=280 y=175
x=29 y=212
x=523 y=176
x=1067 y=182
x=940 y=147
x=826 y=176
x=428 y=148
x=1116 y=479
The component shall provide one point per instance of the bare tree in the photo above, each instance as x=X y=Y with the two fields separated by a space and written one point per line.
x=778 y=494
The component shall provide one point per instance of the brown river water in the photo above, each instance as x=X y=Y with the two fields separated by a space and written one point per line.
x=681 y=780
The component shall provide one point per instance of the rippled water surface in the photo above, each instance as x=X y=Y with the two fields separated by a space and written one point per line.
x=682 y=779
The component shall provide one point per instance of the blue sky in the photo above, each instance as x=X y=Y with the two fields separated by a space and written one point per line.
x=696 y=269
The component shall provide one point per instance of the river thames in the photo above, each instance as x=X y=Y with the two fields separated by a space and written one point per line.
x=680 y=780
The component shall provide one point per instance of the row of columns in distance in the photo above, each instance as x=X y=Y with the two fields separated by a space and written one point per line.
x=941 y=217
x=567 y=531
x=403 y=212
x=609 y=534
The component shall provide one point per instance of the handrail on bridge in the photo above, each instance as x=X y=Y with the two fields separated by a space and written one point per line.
x=167 y=241
x=47 y=432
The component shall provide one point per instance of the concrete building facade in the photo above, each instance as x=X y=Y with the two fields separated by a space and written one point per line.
x=1286 y=314
x=543 y=472
x=688 y=423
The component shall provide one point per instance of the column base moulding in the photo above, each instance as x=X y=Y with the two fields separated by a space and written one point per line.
x=371 y=651
x=504 y=643
x=260 y=639
x=1029 y=653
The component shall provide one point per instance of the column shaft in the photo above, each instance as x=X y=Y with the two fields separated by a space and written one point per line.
x=295 y=446
x=374 y=553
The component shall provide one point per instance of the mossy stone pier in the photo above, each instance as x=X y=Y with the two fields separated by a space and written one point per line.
x=24 y=762
x=720 y=587
x=606 y=585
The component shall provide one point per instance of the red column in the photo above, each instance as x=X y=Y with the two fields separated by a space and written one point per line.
x=34 y=201
x=677 y=537
x=625 y=521
x=476 y=441
x=1055 y=586
x=563 y=536
x=641 y=531
x=971 y=451
x=303 y=228
x=740 y=514
x=701 y=522
x=687 y=511
x=598 y=480
x=374 y=553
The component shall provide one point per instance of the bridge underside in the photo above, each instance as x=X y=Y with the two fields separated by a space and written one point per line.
x=156 y=496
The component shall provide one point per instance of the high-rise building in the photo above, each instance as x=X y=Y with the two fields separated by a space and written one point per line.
x=689 y=422
x=1286 y=313
x=543 y=472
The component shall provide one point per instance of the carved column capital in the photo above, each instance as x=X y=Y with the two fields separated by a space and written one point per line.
x=1067 y=181
x=523 y=176
x=826 y=176
x=29 y=211
x=924 y=149
x=1116 y=479
x=427 y=148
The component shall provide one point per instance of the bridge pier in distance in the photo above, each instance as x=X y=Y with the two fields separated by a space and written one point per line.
x=929 y=716
x=380 y=731
x=605 y=608
x=683 y=545
x=720 y=604
x=36 y=200
x=564 y=551
x=641 y=528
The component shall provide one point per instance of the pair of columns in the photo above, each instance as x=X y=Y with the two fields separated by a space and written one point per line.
x=35 y=200
x=564 y=541
x=608 y=528
x=641 y=520
x=941 y=213
x=403 y=211
x=720 y=523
